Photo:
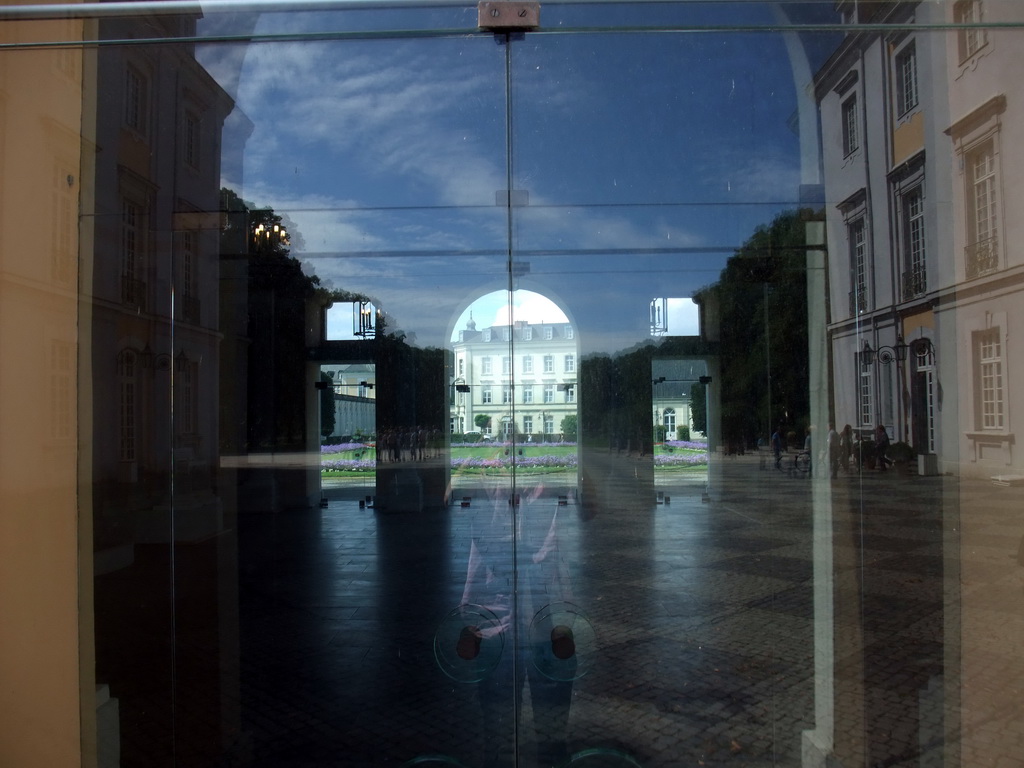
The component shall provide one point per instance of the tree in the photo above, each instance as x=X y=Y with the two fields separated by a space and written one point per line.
x=698 y=408
x=327 y=419
x=483 y=421
x=569 y=427
x=761 y=298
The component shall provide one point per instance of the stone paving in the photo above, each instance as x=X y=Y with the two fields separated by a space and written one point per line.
x=703 y=611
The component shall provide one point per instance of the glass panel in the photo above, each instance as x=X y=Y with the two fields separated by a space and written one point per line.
x=588 y=306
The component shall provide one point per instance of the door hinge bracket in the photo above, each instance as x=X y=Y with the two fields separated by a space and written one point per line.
x=499 y=15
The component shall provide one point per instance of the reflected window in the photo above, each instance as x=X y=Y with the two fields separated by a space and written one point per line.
x=527 y=394
x=506 y=365
x=570 y=364
x=570 y=394
x=549 y=393
x=527 y=363
x=127 y=405
x=506 y=394
x=866 y=410
x=858 y=266
x=982 y=211
x=485 y=395
x=528 y=424
x=989 y=357
x=971 y=39
x=549 y=424
x=906 y=80
x=914 y=282
x=569 y=333
x=549 y=363
x=549 y=332
x=850 y=138
x=191 y=139
x=485 y=366
x=133 y=286
x=136 y=100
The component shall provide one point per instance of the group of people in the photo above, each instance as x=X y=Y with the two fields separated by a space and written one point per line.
x=839 y=447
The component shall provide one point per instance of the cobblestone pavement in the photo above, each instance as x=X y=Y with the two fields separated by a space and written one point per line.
x=703 y=610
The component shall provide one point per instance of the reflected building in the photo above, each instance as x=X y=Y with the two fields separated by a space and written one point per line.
x=922 y=258
x=522 y=376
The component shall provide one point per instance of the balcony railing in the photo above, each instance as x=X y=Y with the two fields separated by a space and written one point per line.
x=858 y=300
x=133 y=292
x=981 y=257
x=915 y=283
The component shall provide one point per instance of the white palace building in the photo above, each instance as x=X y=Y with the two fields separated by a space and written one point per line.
x=523 y=376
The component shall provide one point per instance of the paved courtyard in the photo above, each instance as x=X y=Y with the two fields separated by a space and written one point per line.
x=716 y=621
x=703 y=616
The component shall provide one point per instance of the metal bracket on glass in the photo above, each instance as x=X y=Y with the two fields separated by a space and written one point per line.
x=498 y=15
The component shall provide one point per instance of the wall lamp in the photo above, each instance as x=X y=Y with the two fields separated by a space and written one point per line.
x=895 y=353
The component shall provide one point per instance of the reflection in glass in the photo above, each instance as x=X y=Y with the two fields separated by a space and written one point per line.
x=298 y=470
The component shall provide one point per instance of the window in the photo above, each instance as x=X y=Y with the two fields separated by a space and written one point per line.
x=527 y=424
x=858 y=266
x=487 y=334
x=506 y=365
x=989 y=352
x=485 y=394
x=906 y=80
x=549 y=363
x=548 y=332
x=971 y=38
x=866 y=419
x=569 y=333
x=132 y=249
x=528 y=394
x=462 y=366
x=549 y=424
x=485 y=364
x=185 y=397
x=127 y=405
x=982 y=254
x=506 y=395
x=527 y=334
x=549 y=393
x=527 y=364
x=136 y=100
x=190 y=141
x=570 y=394
x=914 y=275
x=506 y=333
x=570 y=363
x=850 y=140
x=188 y=278
x=670 y=424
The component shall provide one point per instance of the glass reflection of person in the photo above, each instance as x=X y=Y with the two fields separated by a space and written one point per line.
x=514 y=599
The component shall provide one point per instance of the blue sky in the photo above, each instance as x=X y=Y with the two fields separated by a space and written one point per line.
x=647 y=158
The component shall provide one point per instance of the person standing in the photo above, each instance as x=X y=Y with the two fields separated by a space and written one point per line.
x=846 y=447
x=882 y=447
x=777 y=446
x=832 y=446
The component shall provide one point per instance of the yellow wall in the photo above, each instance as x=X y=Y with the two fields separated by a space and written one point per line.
x=908 y=138
x=42 y=672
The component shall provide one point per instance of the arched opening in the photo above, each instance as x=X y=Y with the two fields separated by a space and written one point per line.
x=513 y=393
